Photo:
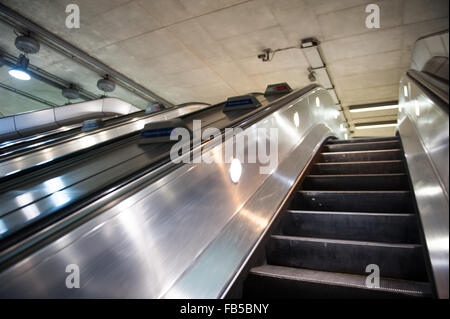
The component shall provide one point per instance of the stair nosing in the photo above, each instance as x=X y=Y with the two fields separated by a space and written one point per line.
x=367 y=151
x=319 y=212
x=355 y=175
x=357 y=192
x=364 y=143
x=348 y=242
x=358 y=162
x=341 y=276
x=358 y=139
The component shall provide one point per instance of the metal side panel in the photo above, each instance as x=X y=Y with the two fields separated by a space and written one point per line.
x=114 y=105
x=143 y=245
x=38 y=121
x=8 y=128
x=86 y=141
x=427 y=47
x=423 y=128
x=27 y=123
x=78 y=111
x=213 y=274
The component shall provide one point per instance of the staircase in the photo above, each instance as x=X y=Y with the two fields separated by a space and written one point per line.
x=353 y=209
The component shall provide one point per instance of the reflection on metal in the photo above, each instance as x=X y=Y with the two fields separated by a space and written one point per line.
x=213 y=274
x=296 y=119
x=427 y=47
x=424 y=130
x=65 y=48
x=29 y=123
x=235 y=170
x=89 y=109
x=149 y=245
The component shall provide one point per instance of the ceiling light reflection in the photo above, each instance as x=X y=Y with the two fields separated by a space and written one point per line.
x=296 y=119
x=235 y=170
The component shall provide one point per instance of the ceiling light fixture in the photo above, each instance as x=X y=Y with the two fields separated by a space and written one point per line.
x=71 y=92
x=372 y=108
x=106 y=85
x=20 y=70
x=372 y=126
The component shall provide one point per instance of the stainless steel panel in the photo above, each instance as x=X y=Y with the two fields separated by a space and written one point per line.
x=427 y=47
x=38 y=120
x=47 y=119
x=8 y=128
x=88 y=140
x=212 y=275
x=424 y=130
x=82 y=110
x=143 y=245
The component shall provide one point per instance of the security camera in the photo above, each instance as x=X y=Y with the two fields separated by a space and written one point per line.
x=312 y=76
x=265 y=56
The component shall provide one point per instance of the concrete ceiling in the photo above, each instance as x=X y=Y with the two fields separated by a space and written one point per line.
x=205 y=50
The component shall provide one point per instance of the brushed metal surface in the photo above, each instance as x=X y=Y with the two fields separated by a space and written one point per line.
x=213 y=274
x=424 y=131
x=428 y=46
x=28 y=123
x=143 y=245
x=87 y=140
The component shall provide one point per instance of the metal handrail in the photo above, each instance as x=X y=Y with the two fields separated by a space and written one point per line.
x=435 y=89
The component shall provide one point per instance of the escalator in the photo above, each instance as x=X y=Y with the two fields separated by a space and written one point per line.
x=140 y=226
x=42 y=196
x=354 y=208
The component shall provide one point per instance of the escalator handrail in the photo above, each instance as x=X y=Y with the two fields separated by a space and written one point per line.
x=436 y=90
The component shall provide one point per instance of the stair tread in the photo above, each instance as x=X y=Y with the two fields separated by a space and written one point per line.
x=298 y=211
x=365 y=151
x=363 y=143
x=387 y=201
x=358 y=167
x=346 y=241
x=354 y=175
x=356 y=192
x=363 y=139
x=359 y=162
x=340 y=279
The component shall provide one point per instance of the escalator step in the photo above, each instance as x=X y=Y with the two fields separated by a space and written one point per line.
x=270 y=281
x=363 y=140
x=356 y=182
x=388 y=228
x=354 y=201
x=357 y=156
x=377 y=167
x=402 y=261
x=363 y=146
